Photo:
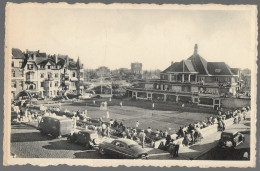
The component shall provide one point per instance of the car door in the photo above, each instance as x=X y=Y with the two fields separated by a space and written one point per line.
x=123 y=151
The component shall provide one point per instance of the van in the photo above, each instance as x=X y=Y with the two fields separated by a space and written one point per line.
x=55 y=125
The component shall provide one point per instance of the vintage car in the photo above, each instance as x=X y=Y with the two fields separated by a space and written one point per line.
x=87 y=138
x=231 y=139
x=123 y=148
x=85 y=96
x=55 y=125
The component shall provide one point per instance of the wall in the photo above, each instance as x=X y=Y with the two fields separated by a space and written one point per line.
x=235 y=103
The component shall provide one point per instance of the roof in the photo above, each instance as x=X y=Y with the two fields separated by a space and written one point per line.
x=17 y=54
x=219 y=68
x=127 y=141
x=44 y=62
x=183 y=66
x=199 y=63
x=41 y=55
x=230 y=132
x=235 y=71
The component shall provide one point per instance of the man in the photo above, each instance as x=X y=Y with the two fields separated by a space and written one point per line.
x=142 y=137
x=153 y=106
x=176 y=150
x=137 y=124
x=107 y=116
x=121 y=104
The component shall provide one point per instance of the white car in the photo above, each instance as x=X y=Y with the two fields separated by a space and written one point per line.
x=85 y=96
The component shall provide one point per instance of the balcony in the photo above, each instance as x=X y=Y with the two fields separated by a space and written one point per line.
x=74 y=79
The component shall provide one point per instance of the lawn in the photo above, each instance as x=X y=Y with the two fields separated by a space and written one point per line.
x=141 y=111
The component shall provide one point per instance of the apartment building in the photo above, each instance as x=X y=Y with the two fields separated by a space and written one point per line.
x=48 y=75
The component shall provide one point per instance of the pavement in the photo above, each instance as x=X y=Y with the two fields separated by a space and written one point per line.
x=25 y=136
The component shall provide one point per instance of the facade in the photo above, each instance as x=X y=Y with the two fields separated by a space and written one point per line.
x=193 y=80
x=136 y=68
x=45 y=75
x=246 y=82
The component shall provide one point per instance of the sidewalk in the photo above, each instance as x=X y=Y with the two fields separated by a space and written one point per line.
x=198 y=149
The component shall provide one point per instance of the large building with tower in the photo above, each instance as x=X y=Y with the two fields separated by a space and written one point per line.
x=193 y=80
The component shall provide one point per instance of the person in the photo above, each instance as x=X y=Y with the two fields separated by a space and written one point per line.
x=74 y=120
x=137 y=124
x=171 y=149
x=153 y=106
x=94 y=102
x=168 y=139
x=121 y=104
x=104 y=127
x=142 y=137
x=192 y=136
x=108 y=131
x=176 y=149
x=111 y=122
x=149 y=130
x=245 y=156
x=165 y=133
x=107 y=116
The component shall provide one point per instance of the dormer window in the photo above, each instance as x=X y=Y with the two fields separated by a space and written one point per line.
x=49 y=67
x=217 y=70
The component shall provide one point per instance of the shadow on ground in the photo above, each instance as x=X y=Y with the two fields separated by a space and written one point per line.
x=28 y=137
x=63 y=145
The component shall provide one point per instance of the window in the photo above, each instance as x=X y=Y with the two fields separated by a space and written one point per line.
x=49 y=67
x=30 y=66
x=42 y=67
x=20 y=64
x=42 y=84
x=12 y=63
x=42 y=75
x=14 y=74
x=217 y=70
x=56 y=84
x=21 y=84
x=74 y=74
x=56 y=75
x=50 y=84
x=216 y=79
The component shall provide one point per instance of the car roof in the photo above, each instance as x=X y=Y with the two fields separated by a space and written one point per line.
x=57 y=117
x=127 y=141
x=230 y=132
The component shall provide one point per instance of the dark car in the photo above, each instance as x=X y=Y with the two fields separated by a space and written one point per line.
x=231 y=139
x=123 y=148
x=55 y=125
x=87 y=138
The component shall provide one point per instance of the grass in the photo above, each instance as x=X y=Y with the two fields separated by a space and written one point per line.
x=164 y=116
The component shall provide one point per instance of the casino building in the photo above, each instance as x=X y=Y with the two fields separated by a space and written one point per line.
x=193 y=80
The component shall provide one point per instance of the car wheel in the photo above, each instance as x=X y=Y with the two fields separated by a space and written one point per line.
x=102 y=151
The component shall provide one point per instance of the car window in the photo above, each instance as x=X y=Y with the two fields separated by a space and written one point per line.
x=121 y=145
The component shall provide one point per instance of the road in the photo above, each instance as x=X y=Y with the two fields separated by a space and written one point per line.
x=217 y=153
x=28 y=142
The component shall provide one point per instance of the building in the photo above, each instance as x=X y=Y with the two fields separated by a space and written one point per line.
x=193 y=80
x=47 y=75
x=17 y=82
x=136 y=68
x=246 y=82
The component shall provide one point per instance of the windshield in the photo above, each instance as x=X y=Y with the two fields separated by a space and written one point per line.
x=132 y=145
x=226 y=136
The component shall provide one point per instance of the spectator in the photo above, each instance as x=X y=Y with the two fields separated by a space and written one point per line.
x=176 y=150
x=111 y=122
x=153 y=106
x=108 y=131
x=107 y=116
x=121 y=104
x=165 y=133
x=149 y=130
x=104 y=127
x=142 y=138
x=137 y=124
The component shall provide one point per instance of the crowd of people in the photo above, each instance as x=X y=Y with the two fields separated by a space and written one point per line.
x=190 y=133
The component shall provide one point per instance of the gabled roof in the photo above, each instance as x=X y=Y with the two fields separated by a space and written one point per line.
x=17 y=54
x=45 y=62
x=199 y=63
x=235 y=71
x=183 y=66
x=41 y=55
x=219 y=68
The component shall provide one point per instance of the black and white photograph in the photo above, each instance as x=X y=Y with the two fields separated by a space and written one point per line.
x=130 y=84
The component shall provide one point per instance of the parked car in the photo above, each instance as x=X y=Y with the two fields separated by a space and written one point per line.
x=56 y=126
x=123 y=148
x=230 y=139
x=85 y=96
x=87 y=138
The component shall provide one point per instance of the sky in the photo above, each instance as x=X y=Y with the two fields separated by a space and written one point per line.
x=116 y=37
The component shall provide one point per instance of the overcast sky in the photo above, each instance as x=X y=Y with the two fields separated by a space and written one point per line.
x=117 y=37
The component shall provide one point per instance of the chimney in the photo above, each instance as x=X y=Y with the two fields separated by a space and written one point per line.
x=195 y=49
x=56 y=59
x=172 y=63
